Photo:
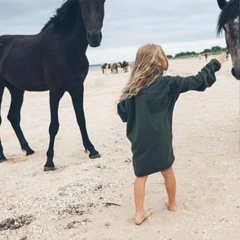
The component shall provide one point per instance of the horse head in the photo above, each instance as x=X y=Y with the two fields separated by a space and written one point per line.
x=229 y=20
x=93 y=13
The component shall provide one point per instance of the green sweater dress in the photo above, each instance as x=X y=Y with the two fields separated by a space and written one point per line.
x=149 y=118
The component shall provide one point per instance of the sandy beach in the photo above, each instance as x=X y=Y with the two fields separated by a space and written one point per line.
x=85 y=199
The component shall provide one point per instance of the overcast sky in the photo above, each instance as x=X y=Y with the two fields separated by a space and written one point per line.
x=177 y=25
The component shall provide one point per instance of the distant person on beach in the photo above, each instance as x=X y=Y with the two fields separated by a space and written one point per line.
x=147 y=104
x=206 y=56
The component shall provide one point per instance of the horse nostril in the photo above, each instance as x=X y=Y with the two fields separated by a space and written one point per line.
x=94 y=34
x=236 y=73
x=94 y=38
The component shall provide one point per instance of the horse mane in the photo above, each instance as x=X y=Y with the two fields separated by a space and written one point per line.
x=65 y=16
x=229 y=12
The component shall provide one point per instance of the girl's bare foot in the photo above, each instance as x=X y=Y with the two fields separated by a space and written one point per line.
x=140 y=218
x=172 y=207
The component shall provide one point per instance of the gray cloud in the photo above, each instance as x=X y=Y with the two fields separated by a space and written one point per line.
x=170 y=20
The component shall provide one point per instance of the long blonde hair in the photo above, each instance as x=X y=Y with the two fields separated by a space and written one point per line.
x=150 y=63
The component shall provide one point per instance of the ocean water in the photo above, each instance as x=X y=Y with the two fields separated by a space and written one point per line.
x=95 y=67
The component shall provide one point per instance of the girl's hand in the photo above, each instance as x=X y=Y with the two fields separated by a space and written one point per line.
x=222 y=57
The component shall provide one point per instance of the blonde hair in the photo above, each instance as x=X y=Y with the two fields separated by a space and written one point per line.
x=150 y=63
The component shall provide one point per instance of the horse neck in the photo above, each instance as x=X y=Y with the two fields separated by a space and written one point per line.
x=74 y=41
x=77 y=40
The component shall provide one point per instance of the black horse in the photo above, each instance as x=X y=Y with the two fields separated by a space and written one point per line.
x=55 y=60
x=229 y=20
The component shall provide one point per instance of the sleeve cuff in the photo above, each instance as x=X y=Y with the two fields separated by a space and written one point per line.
x=216 y=64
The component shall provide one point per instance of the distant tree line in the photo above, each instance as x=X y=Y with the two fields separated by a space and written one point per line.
x=213 y=50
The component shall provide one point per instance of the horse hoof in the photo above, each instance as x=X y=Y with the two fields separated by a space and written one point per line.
x=28 y=151
x=3 y=160
x=47 y=169
x=94 y=156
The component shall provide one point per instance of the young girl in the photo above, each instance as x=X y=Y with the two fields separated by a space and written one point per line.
x=147 y=104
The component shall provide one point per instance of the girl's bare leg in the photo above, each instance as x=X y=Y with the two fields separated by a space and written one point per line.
x=139 y=195
x=170 y=184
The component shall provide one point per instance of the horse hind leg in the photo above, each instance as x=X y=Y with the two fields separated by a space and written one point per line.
x=14 y=116
x=2 y=86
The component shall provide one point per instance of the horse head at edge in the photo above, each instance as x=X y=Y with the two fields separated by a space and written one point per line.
x=229 y=20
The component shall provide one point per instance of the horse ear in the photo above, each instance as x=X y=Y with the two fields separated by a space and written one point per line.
x=221 y=3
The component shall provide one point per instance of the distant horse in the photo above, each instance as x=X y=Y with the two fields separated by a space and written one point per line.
x=229 y=20
x=104 y=67
x=114 y=68
x=55 y=60
x=124 y=66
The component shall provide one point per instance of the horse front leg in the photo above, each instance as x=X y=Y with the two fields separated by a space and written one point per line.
x=55 y=97
x=14 y=116
x=77 y=100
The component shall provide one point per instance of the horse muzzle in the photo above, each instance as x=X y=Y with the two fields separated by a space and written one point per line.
x=236 y=73
x=94 y=38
